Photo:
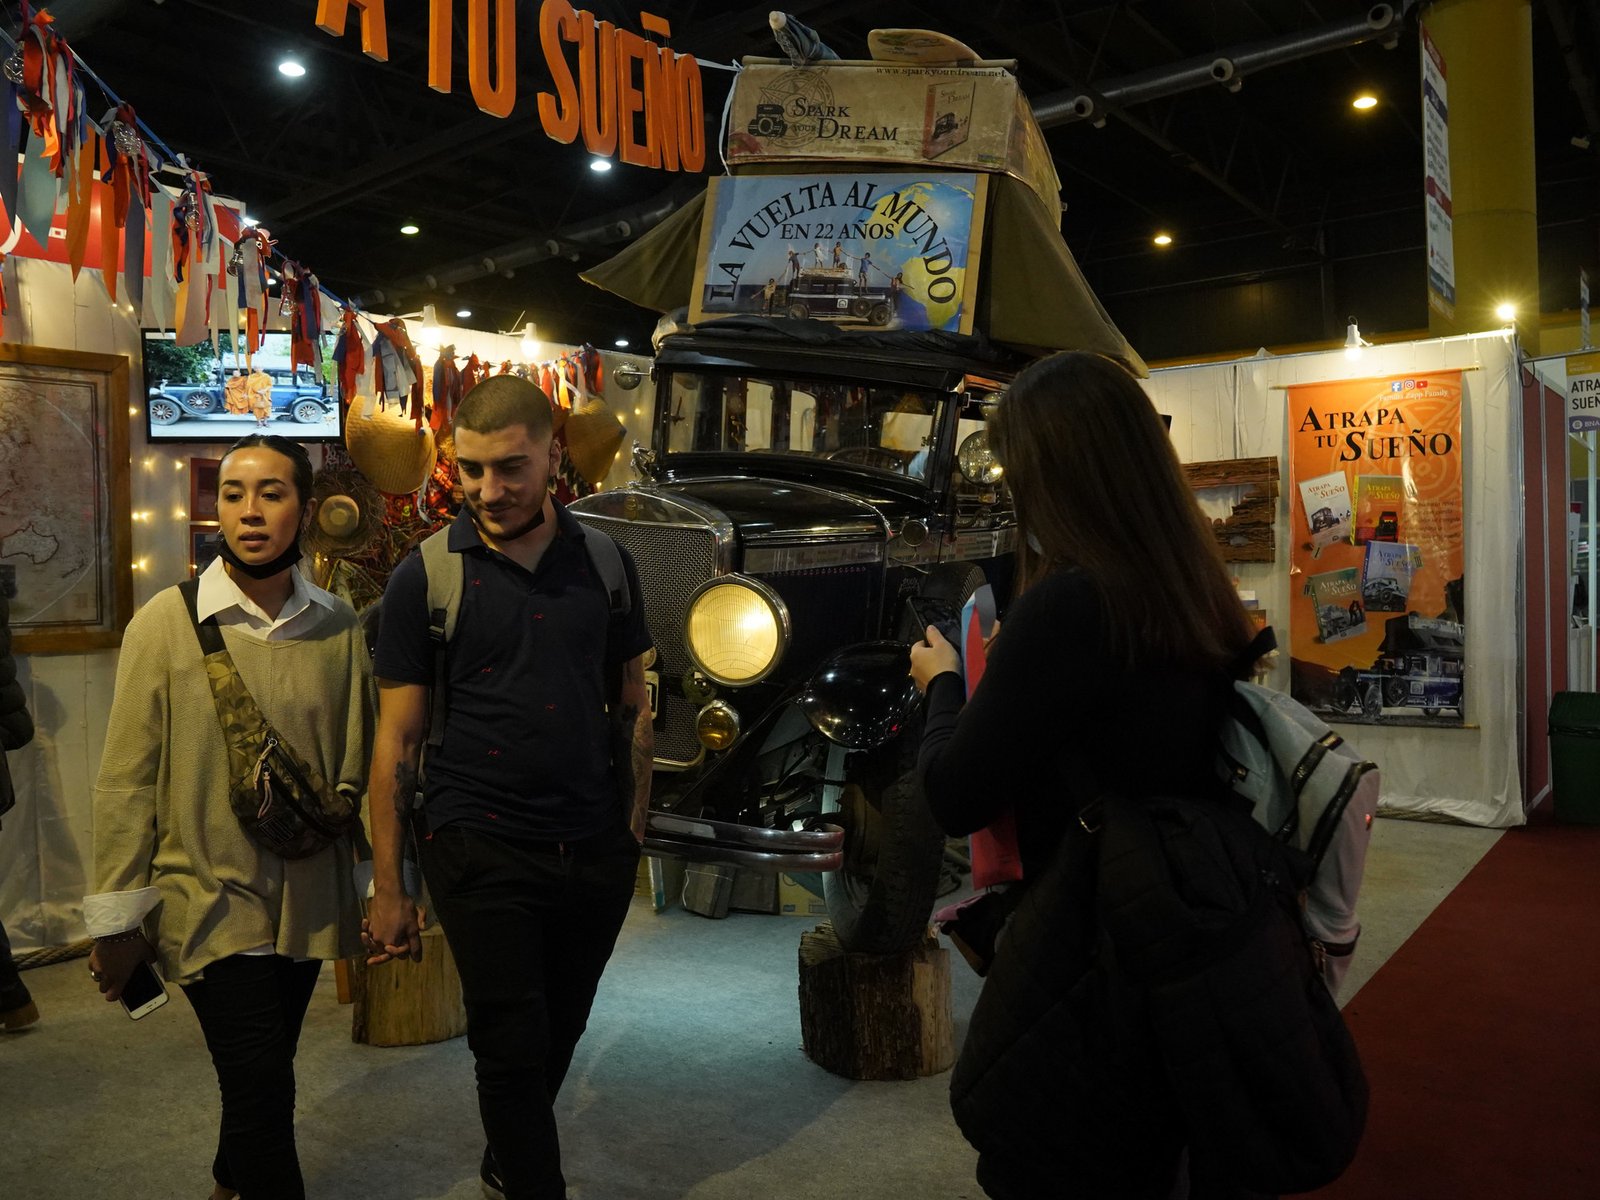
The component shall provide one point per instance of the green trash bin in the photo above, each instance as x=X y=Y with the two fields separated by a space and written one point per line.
x=1575 y=756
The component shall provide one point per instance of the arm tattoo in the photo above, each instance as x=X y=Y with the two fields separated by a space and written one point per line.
x=627 y=716
x=405 y=788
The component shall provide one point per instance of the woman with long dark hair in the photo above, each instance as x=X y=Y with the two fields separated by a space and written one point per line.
x=240 y=928
x=1109 y=675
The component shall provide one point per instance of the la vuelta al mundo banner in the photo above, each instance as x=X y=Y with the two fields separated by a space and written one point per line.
x=1376 y=615
x=874 y=249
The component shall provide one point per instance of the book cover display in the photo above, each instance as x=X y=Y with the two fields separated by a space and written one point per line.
x=1326 y=500
x=1379 y=499
x=1377 y=631
x=1386 y=574
x=1337 y=597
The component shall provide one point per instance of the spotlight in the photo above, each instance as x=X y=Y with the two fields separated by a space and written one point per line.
x=463 y=313
x=622 y=343
x=410 y=230
x=1507 y=312
x=1163 y=239
x=601 y=165
x=1353 y=341
x=1364 y=102
x=530 y=341
x=291 y=68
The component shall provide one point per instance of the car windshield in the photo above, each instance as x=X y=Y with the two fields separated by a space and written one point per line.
x=876 y=426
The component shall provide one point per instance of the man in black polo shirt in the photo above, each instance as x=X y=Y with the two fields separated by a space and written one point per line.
x=527 y=845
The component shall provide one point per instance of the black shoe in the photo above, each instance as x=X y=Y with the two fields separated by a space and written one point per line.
x=17 y=1007
x=489 y=1175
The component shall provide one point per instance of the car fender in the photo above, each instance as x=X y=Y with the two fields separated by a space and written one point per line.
x=860 y=696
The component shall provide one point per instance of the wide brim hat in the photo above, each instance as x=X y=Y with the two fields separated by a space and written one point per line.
x=389 y=449
x=349 y=515
x=594 y=436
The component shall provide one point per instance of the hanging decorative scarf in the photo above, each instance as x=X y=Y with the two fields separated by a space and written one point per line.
x=593 y=370
x=349 y=354
x=472 y=374
x=399 y=368
x=253 y=251
x=193 y=232
x=305 y=320
x=125 y=191
x=447 y=389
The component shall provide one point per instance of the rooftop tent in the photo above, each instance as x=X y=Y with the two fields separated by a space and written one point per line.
x=1031 y=294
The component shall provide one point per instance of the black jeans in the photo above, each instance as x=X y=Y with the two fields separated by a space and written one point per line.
x=251 y=1008
x=531 y=925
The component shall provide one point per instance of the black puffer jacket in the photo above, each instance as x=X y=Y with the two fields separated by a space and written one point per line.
x=16 y=726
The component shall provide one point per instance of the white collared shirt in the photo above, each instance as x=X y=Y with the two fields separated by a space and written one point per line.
x=224 y=599
x=106 y=913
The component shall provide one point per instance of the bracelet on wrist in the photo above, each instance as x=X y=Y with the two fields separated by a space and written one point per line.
x=127 y=935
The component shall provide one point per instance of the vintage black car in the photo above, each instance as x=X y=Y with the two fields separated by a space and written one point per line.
x=296 y=395
x=810 y=499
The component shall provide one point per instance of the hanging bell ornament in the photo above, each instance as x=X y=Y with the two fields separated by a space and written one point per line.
x=287 y=306
x=14 y=69
x=125 y=138
x=191 y=212
x=236 y=260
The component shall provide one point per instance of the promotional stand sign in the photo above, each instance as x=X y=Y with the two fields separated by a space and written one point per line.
x=873 y=249
x=1377 y=627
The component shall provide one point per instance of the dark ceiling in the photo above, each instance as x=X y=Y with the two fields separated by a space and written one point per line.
x=1289 y=209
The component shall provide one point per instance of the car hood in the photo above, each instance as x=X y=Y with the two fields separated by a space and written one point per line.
x=764 y=510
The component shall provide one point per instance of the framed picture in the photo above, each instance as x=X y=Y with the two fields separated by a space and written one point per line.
x=65 y=526
x=202 y=546
x=203 y=489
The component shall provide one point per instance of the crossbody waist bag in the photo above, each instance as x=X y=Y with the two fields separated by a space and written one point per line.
x=284 y=804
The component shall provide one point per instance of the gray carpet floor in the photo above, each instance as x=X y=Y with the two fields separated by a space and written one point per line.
x=690 y=1083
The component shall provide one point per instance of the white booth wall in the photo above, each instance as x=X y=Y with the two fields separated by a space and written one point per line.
x=1239 y=409
x=45 y=845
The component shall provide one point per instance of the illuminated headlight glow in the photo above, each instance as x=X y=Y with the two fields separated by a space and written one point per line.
x=736 y=630
x=716 y=725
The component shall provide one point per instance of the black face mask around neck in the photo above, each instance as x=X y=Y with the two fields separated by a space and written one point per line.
x=259 y=570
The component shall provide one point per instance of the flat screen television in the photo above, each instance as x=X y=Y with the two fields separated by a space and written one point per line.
x=186 y=396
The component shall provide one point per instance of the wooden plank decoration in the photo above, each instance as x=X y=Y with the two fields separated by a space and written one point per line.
x=1248 y=533
x=875 y=1016
x=405 y=1003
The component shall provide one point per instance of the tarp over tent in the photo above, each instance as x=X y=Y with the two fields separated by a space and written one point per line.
x=1031 y=294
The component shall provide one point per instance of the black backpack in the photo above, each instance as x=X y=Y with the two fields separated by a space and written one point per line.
x=1203 y=907
x=1158 y=987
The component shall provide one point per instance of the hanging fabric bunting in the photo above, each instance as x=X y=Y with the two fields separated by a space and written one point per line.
x=593 y=370
x=472 y=374
x=80 y=194
x=305 y=322
x=162 y=286
x=2 y=297
x=10 y=148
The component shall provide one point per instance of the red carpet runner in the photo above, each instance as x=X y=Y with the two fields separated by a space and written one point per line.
x=1481 y=1036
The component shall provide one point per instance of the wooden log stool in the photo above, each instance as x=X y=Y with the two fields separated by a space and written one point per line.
x=405 y=1003
x=875 y=1016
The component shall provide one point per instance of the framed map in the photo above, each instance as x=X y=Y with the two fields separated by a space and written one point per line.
x=65 y=530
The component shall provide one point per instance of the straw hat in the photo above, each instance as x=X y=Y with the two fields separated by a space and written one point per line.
x=349 y=513
x=389 y=449
x=593 y=437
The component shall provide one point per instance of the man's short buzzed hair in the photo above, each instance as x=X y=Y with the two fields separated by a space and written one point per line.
x=503 y=401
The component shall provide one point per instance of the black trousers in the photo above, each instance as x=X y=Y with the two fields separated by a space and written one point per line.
x=531 y=925
x=9 y=977
x=251 y=1008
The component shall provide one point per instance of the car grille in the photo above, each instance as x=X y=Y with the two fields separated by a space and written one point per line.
x=673 y=561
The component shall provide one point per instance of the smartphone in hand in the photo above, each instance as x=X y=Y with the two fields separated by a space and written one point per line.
x=943 y=615
x=144 y=992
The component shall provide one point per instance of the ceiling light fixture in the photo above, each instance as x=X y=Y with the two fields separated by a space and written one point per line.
x=1507 y=312
x=252 y=222
x=1163 y=239
x=410 y=230
x=1353 y=341
x=1363 y=102
x=530 y=341
x=291 y=68
x=622 y=343
x=600 y=164
x=463 y=313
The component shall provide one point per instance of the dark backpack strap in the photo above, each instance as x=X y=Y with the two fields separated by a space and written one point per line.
x=1263 y=644
x=607 y=560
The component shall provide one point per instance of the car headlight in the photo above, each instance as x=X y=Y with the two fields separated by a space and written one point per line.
x=736 y=630
x=976 y=460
